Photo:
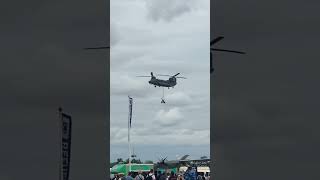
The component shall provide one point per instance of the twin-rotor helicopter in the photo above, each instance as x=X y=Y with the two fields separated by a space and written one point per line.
x=171 y=82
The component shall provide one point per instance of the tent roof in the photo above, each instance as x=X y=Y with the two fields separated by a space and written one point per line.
x=122 y=168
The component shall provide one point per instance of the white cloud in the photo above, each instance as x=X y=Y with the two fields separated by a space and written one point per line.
x=124 y=85
x=168 y=118
x=179 y=98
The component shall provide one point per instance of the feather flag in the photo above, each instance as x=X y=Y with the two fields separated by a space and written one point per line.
x=66 y=125
x=130 y=110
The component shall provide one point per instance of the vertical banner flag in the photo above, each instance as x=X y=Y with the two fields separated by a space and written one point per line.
x=129 y=127
x=130 y=110
x=65 y=145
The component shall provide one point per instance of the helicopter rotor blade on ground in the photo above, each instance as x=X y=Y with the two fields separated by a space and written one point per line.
x=143 y=76
x=182 y=77
x=216 y=40
x=225 y=50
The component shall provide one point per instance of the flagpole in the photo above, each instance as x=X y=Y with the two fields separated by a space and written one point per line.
x=129 y=146
x=59 y=141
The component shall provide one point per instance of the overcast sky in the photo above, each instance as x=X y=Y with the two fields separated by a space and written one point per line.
x=164 y=37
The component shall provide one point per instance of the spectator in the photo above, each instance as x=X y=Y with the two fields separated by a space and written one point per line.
x=158 y=175
x=151 y=176
x=199 y=177
x=172 y=176
x=129 y=176
x=180 y=177
x=190 y=174
x=122 y=177
x=163 y=176
x=167 y=176
x=139 y=176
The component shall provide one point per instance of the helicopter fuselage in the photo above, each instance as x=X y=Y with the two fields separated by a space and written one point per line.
x=163 y=83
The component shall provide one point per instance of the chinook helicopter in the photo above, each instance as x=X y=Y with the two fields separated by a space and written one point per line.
x=171 y=82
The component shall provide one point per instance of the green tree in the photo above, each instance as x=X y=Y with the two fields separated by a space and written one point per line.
x=148 y=162
x=136 y=161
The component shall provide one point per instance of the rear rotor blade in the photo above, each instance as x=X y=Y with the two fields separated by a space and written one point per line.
x=216 y=40
x=225 y=50
x=105 y=47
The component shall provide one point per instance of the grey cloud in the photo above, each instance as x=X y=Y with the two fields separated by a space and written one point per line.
x=167 y=9
x=164 y=135
x=179 y=99
x=114 y=34
x=154 y=152
x=126 y=55
x=124 y=85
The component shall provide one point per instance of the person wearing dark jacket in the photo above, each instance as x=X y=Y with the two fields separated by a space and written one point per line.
x=163 y=176
x=172 y=176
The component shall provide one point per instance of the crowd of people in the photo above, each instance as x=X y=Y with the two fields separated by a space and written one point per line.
x=189 y=174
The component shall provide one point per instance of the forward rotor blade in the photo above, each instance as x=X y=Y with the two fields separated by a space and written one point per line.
x=225 y=50
x=182 y=77
x=105 y=47
x=143 y=76
x=176 y=74
x=216 y=40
